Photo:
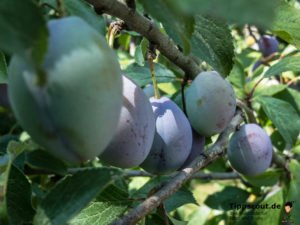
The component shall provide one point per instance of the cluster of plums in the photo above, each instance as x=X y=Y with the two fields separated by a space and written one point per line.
x=86 y=108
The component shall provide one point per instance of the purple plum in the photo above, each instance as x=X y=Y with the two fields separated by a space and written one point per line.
x=133 y=140
x=250 y=150
x=172 y=140
x=268 y=45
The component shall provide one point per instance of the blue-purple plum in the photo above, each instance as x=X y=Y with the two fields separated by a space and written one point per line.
x=133 y=140
x=250 y=150
x=197 y=148
x=74 y=112
x=172 y=140
x=210 y=103
x=268 y=45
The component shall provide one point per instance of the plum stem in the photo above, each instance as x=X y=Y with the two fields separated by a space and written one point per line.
x=61 y=8
x=115 y=28
x=151 y=55
x=249 y=112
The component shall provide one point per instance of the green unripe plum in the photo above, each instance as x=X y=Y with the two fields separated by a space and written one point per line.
x=133 y=140
x=172 y=140
x=74 y=113
x=250 y=150
x=210 y=103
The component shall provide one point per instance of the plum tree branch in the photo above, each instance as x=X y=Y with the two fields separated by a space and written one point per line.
x=149 y=30
x=199 y=175
x=214 y=152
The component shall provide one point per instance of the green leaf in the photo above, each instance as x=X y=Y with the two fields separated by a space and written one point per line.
x=138 y=56
x=269 y=90
x=73 y=194
x=84 y=10
x=200 y=216
x=99 y=213
x=18 y=198
x=270 y=216
x=176 y=222
x=294 y=189
x=212 y=42
x=178 y=25
x=15 y=148
x=43 y=160
x=237 y=75
x=3 y=69
x=142 y=76
x=286 y=23
x=81 y=9
x=277 y=140
x=4 y=141
x=289 y=63
x=296 y=149
x=224 y=199
x=110 y=204
x=237 y=78
x=180 y=198
x=292 y=96
x=268 y=178
x=283 y=116
x=256 y=12
x=22 y=26
x=150 y=186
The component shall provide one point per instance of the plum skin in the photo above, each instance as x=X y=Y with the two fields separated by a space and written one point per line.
x=268 y=45
x=134 y=137
x=250 y=150
x=196 y=150
x=74 y=115
x=210 y=103
x=172 y=140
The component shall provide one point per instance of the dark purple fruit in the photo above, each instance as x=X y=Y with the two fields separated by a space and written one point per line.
x=134 y=137
x=197 y=148
x=268 y=45
x=250 y=150
x=173 y=138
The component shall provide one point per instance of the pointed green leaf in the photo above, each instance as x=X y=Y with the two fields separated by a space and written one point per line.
x=22 y=26
x=43 y=160
x=256 y=12
x=212 y=42
x=73 y=194
x=142 y=76
x=283 y=116
x=222 y=200
x=286 y=23
x=289 y=63
x=294 y=190
x=178 y=25
x=180 y=198
x=270 y=216
x=18 y=198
